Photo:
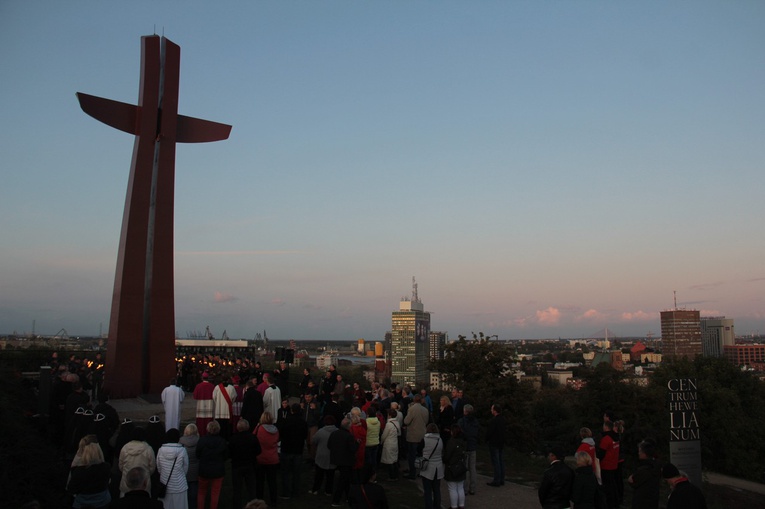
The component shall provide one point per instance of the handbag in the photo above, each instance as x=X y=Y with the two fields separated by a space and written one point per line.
x=421 y=463
x=162 y=488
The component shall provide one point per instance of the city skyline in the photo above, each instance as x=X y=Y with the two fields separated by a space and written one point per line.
x=544 y=169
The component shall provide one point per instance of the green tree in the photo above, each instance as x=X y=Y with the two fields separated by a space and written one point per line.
x=732 y=410
x=482 y=368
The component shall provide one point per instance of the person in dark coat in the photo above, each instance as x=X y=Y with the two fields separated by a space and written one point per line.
x=555 y=489
x=243 y=448
x=495 y=437
x=444 y=417
x=455 y=467
x=293 y=431
x=342 y=453
x=89 y=479
x=584 y=492
x=331 y=407
x=684 y=495
x=470 y=430
x=646 y=478
x=252 y=403
x=304 y=383
x=212 y=451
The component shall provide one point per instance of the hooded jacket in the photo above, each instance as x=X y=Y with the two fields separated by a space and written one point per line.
x=167 y=454
x=320 y=441
x=268 y=436
x=373 y=431
x=588 y=446
x=135 y=453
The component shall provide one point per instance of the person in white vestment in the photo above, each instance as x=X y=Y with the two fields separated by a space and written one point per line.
x=172 y=397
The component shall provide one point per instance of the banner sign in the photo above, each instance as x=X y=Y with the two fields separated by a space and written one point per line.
x=684 y=432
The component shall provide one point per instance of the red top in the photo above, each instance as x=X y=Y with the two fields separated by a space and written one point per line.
x=268 y=436
x=611 y=460
x=203 y=390
x=359 y=432
x=589 y=449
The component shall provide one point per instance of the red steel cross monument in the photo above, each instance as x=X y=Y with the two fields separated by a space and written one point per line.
x=140 y=357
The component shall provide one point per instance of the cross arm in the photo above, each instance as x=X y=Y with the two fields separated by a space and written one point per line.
x=124 y=117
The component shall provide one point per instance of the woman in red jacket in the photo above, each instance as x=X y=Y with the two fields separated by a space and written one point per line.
x=268 y=459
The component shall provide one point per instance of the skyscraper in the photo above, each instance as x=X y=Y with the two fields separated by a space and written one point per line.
x=680 y=333
x=716 y=333
x=436 y=345
x=409 y=341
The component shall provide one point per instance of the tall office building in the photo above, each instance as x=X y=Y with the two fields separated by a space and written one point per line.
x=716 y=333
x=409 y=342
x=680 y=333
x=436 y=345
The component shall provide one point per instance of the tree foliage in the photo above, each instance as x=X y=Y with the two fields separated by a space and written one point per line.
x=731 y=417
x=732 y=411
x=481 y=368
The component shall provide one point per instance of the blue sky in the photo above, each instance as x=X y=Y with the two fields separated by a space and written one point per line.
x=544 y=169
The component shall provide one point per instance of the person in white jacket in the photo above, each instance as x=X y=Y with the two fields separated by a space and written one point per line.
x=136 y=453
x=389 y=441
x=434 y=472
x=172 y=466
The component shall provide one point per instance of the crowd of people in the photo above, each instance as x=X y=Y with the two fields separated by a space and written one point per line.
x=597 y=481
x=349 y=434
x=352 y=437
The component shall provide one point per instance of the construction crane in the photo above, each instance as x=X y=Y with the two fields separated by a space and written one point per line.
x=208 y=333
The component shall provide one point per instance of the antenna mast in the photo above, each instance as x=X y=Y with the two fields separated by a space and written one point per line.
x=415 y=298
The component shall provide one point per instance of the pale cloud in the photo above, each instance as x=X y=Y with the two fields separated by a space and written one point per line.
x=706 y=286
x=278 y=301
x=549 y=316
x=591 y=315
x=521 y=322
x=235 y=253
x=638 y=316
x=224 y=297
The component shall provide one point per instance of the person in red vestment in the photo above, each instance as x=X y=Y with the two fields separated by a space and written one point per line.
x=203 y=394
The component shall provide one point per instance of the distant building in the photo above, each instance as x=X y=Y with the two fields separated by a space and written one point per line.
x=534 y=380
x=410 y=335
x=560 y=377
x=680 y=333
x=716 y=333
x=437 y=341
x=324 y=361
x=382 y=370
x=750 y=356
x=438 y=382
x=650 y=358
x=636 y=351
x=615 y=359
